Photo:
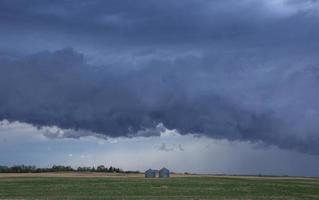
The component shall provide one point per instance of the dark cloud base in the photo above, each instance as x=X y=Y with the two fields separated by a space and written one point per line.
x=60 y=88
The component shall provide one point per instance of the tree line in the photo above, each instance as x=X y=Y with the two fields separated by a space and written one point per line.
x=60 y=168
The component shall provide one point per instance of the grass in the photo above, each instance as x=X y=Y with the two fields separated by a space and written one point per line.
x=182 y=188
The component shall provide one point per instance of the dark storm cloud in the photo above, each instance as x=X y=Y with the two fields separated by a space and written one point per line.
x=240 y=70
x=164 y=22
x=60 y=89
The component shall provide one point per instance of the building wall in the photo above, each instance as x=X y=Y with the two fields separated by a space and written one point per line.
x=150 y=174
x=164 y=173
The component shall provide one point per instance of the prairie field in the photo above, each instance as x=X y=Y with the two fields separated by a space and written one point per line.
x=103 y=186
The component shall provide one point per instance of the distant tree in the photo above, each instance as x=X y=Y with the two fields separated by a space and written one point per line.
x=4 y=169
x=58 y=168
x=101 y=168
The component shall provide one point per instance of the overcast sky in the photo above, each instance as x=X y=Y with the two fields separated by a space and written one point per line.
x=209 y=86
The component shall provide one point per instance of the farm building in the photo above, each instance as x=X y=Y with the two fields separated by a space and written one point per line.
x=150 y=173
x=164 y=173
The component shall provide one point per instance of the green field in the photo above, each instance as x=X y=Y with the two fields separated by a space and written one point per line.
x=172 y=188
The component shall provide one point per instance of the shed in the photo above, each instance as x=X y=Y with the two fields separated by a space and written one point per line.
x=150 y=173
x=164 y=173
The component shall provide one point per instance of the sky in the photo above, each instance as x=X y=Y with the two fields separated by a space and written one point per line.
x=204 y=86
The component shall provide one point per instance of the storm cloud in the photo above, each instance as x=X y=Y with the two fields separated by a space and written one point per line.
x=238 y=70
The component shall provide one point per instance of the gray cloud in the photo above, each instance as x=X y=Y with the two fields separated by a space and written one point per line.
x=168 y=148
x=164 y=147
x=240 y=70
x=180 y=147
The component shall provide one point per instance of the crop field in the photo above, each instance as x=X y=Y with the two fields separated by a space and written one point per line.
x=135 y=187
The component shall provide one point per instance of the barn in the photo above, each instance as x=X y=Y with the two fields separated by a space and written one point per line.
x=150 y=173
x=164 y=173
